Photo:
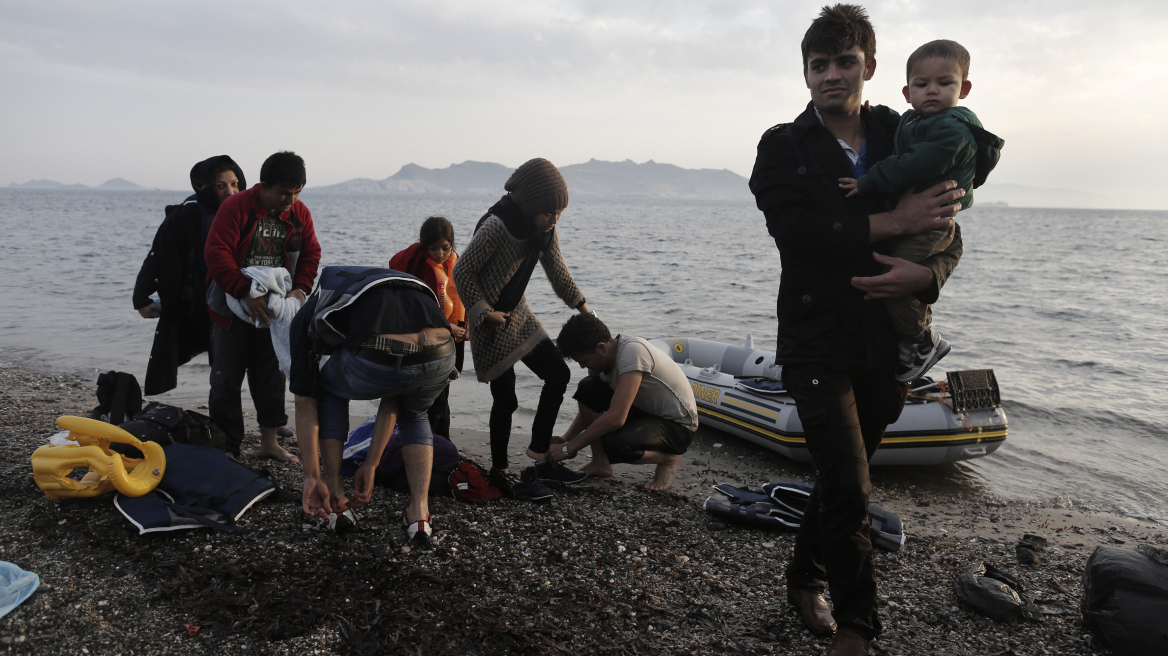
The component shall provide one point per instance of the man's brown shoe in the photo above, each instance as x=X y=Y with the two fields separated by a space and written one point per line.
x=848 y=643
x=813 y=610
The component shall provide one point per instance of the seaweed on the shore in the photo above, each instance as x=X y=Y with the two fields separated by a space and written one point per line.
x=455 y=605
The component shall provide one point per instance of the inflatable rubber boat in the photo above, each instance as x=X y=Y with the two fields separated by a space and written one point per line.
x=739 y=390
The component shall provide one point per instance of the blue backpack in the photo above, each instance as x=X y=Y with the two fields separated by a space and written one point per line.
x=780 y=506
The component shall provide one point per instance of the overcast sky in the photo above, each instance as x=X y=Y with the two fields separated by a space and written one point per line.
x=142 y=90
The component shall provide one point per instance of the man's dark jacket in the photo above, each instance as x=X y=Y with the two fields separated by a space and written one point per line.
x=823 y=243
x=175 y=268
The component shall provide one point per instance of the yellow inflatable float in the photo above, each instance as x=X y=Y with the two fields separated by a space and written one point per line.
x=108 y=470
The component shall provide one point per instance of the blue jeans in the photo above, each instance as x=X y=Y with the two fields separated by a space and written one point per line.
x=348 y=377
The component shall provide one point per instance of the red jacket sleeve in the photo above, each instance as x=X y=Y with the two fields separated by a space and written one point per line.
x=223 y=245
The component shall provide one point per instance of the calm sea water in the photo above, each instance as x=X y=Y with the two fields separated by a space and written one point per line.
x=1067 y=306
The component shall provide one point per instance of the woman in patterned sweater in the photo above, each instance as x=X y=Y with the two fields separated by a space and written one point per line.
x=491 y=277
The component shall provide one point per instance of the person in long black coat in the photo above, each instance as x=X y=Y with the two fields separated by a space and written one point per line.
x=176 y=270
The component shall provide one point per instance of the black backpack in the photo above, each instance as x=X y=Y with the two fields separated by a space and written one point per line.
x=119 y=397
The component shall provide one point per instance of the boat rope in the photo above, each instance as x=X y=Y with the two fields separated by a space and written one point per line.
x=943 y=397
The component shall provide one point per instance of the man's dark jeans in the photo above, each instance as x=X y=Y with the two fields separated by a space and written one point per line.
x=244 y=348
x=844 y=415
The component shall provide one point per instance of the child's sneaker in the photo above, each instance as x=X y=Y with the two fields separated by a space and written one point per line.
x=916 y=358
x=558 y=473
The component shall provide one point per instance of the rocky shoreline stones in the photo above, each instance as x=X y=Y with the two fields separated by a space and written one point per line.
x=604 y=568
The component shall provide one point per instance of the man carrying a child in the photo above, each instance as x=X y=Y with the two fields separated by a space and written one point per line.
x=835 y=341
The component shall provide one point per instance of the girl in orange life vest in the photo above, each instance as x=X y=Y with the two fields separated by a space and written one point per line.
x=432 y=259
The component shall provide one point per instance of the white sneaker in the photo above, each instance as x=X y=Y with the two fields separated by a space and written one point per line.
x=341 y=523
x=418 y=532
x=916 y=358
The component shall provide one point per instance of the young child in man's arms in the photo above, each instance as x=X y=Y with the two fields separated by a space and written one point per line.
x=935 y=141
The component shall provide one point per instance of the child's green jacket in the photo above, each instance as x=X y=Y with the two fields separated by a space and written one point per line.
x=950 y=145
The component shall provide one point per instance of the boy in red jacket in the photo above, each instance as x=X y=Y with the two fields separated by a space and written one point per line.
x=263 y=226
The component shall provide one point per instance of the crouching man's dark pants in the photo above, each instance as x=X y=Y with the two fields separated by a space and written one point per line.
x=844 y=415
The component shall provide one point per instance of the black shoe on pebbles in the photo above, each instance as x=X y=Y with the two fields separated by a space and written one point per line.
x=529 y=488
x=504 y=480
x=558 y=473
x=917 y=358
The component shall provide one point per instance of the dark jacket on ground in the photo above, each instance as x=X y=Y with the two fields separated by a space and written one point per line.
x=823 y=243
x=176 y=270
x=230 y=238
x=950 y=145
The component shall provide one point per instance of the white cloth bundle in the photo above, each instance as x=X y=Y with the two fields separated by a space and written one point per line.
x=275 y=283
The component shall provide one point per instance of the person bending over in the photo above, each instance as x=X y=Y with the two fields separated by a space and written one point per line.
x=635 y=404
x=387 y=339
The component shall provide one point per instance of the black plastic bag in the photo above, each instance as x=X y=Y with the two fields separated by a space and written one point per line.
x=995 y=594
x=1125 y=600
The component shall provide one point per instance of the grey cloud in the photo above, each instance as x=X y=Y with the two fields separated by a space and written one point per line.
x=339 y=45
x=268 y=43
x=493 y=79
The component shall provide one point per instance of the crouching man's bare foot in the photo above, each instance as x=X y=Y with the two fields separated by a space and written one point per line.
x=270 y=448
x=667 y=466
x=597 y=469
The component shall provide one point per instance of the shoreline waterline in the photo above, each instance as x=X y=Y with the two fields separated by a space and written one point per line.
x=1079 y=357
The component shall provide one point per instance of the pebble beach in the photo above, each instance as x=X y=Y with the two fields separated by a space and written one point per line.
x=605 y=567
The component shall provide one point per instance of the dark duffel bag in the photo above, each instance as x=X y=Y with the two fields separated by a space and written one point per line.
x=1125 y=599
x=168 y=424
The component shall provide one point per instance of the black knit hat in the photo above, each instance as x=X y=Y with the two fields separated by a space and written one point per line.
x=537 y=187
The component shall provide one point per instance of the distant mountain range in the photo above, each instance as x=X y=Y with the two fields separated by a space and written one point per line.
x=1016 y=195
x=592 y=178
x=116 y=184
x=617 y=179
x=653 y=180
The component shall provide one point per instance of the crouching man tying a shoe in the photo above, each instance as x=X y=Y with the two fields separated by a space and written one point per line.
x=368 y=333
x=635 y=406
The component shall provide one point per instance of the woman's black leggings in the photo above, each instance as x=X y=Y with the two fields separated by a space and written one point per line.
x=546 y=362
